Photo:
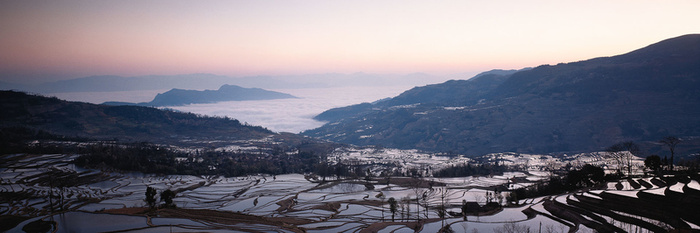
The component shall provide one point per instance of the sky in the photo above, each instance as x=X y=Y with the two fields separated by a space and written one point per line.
x=52 y=40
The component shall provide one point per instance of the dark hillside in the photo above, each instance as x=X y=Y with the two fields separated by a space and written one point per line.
x=450 y=93
x=454 y=92
x=667 y=66
x=127 y=123
x=640 y=96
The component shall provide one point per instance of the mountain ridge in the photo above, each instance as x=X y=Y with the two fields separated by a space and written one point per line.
x=123 y=123
x=201 y=81
x=177 y=97
x=435 y=93
x=642 y=95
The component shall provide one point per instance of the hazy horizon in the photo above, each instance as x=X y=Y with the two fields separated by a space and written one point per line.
x=433 y=78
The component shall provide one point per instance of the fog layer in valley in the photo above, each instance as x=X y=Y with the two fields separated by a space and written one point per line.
x=280 y=115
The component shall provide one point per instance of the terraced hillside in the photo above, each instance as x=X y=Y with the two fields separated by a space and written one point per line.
x=302 y=203
x=634 y=205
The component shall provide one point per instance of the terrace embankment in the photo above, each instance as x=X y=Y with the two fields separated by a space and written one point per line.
x=657 y=209
x=417 y=225
x=231 y=218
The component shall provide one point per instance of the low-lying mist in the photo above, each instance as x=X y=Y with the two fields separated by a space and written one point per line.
x=280 y=115
x=293 y=115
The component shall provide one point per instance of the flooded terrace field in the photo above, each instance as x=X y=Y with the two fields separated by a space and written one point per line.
x=48 y=191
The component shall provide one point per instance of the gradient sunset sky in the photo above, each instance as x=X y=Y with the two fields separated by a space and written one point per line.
x=50 y=40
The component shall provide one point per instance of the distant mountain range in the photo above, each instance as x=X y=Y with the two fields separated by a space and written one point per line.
x=210 y=81
x=176 y=97
x=643 y=95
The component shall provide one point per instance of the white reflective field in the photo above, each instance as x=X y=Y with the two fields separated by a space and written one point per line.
x=283 y=203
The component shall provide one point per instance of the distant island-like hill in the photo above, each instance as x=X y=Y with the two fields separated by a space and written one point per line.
x=177 y=97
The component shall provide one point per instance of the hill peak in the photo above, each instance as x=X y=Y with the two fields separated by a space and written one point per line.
x=176 y=97
x=677 y=47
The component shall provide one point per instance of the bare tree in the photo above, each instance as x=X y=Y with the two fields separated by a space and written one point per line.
x=443 y=196
x=623 y=153
x=615 y=151
x=551 y=166
x=442 y=211
x=464 y=209
x=417 y=191
x=406 y=202
x=499 y=197
x=512 y=227
x=381 y=197
x=633 y=150
x=402 y=204
x=671 y=143
x=392 y=207
x=425 y=203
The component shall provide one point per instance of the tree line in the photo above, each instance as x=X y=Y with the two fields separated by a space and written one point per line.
x=149 y=158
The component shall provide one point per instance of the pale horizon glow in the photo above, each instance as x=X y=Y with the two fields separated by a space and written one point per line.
x=51 y=40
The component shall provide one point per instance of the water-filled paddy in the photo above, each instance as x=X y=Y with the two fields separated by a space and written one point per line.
x=285 y=202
